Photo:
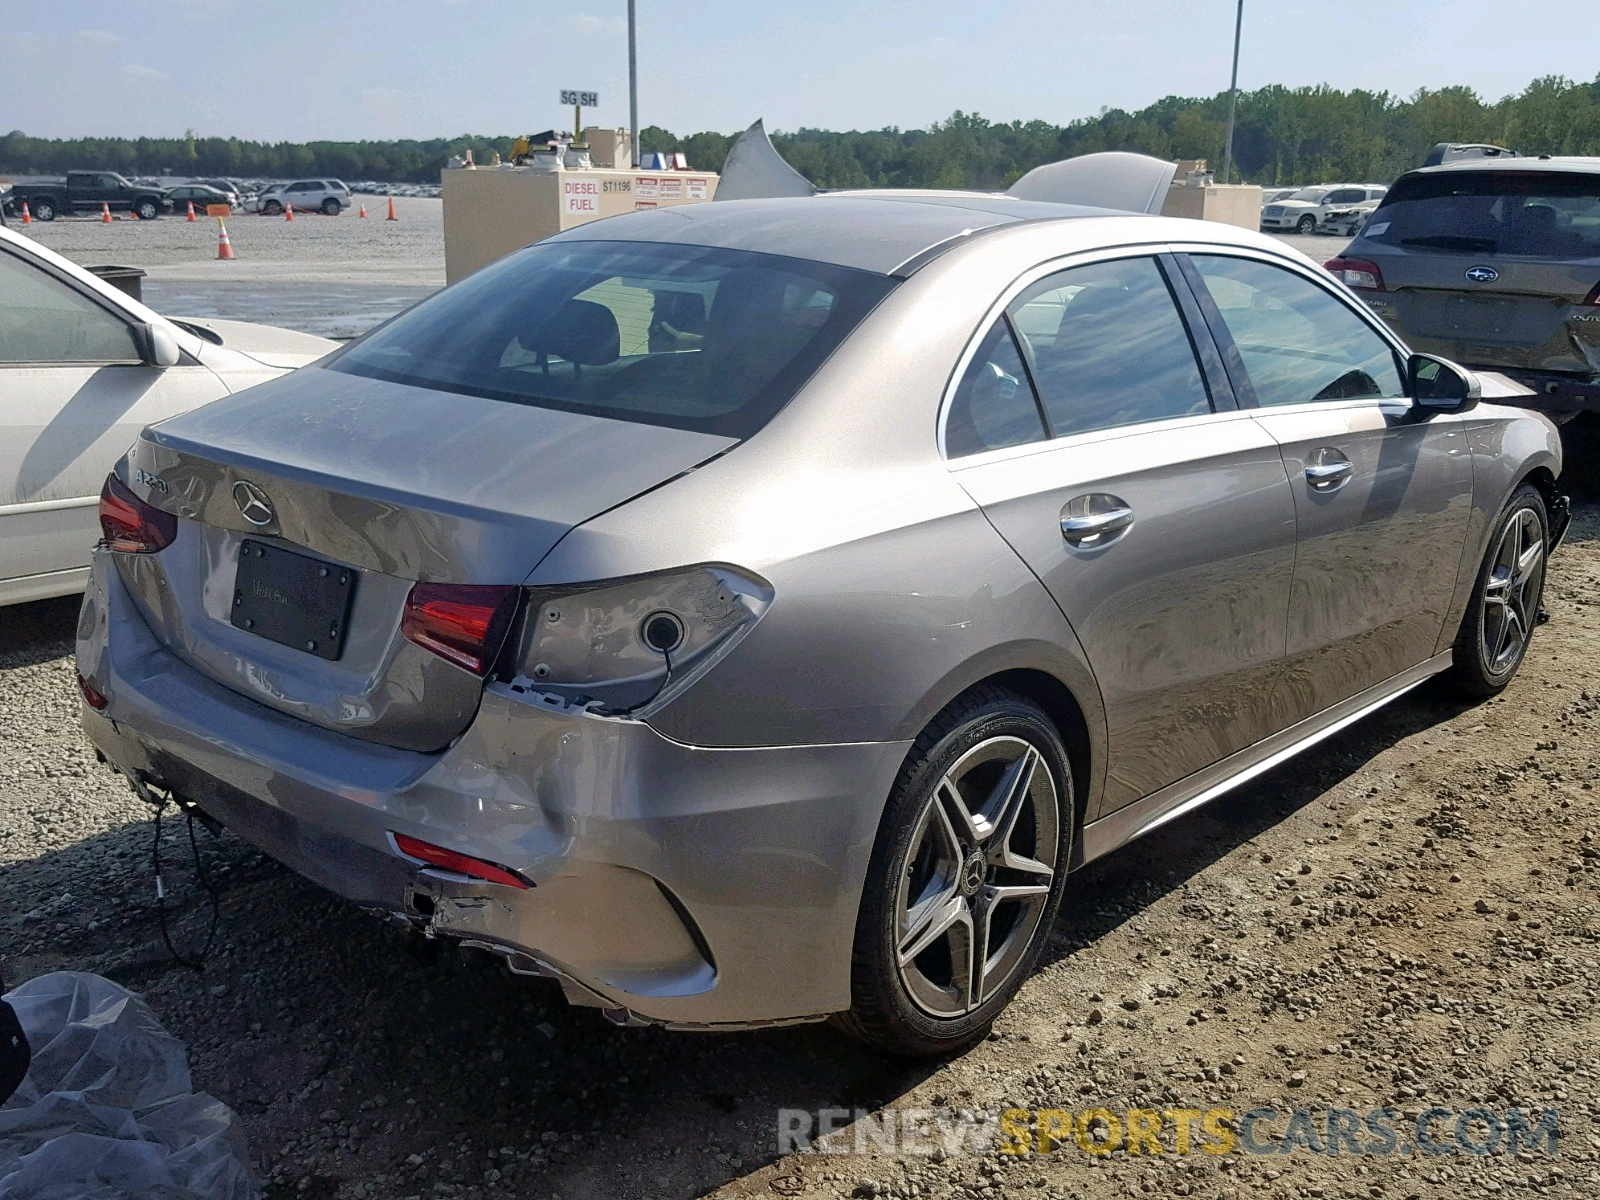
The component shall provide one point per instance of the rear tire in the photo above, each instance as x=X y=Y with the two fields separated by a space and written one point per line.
x=1504 y=609
x=330 y=207
x=42 y=209
x=965 y=879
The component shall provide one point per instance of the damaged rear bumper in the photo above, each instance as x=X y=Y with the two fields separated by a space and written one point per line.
x=706 y=888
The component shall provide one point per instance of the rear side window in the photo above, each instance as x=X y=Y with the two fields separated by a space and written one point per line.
x=994 y=404
x=1532 y=214
x=1107 y=347
x=1299 y=343
x=1346 y=196
x=692 y=337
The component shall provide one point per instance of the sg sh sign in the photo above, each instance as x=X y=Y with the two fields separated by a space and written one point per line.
x=580 y=99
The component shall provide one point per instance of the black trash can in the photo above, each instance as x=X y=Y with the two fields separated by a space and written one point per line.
x=124 y=279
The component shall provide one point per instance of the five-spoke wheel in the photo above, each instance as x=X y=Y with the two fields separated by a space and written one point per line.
x=965 y=877
x=1504 y=607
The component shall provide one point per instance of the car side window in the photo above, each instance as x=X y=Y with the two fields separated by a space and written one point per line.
x=42 y=320
x=994 y=404
x=1347 y=196
x=1299 y=342
x=1108 y=348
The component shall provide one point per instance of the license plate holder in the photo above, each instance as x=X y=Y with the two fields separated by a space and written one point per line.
x=293 y=599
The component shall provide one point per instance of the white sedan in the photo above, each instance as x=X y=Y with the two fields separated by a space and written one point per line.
x=83 y=368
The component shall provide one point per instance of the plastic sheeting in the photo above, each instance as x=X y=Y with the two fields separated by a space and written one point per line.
x=108 y=1111
x=754 y=170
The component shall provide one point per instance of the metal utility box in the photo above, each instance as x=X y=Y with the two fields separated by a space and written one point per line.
x=491 y=211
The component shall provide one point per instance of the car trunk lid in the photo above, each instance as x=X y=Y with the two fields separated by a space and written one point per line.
x=395 y=483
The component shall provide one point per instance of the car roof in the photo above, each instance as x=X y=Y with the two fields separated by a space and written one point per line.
x=878 y=231
x=1567 y=165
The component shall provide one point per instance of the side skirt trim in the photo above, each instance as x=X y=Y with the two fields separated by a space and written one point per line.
x=1173 y=801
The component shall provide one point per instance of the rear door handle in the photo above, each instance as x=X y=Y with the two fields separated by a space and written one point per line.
x=1328 y=470
x=1094 y=529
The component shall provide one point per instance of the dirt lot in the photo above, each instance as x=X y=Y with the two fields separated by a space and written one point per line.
x=1404 y=916
x=334 y=276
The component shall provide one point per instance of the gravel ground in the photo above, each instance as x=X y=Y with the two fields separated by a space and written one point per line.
x=1405 y=915
x=334 y=276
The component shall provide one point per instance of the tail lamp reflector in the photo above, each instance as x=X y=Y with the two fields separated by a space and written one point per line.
x=1356 y=273
x=129 y=525
x=462 y=864
x=462 y=623
x=93 y=695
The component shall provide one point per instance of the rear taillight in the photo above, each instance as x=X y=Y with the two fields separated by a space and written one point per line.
x=451 y=860
x=129 y=525
x=462 y=623
x=95 y=697
x=1356 y=273
x=1593 y=297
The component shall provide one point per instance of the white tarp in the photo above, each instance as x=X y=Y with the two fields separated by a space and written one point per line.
x=1110 y=179
x=107 y=1111
x=754 y=170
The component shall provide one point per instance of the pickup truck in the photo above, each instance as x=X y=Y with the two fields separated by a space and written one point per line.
x=85 y=192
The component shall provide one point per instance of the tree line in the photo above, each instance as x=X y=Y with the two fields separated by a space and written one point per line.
x=1282 y=136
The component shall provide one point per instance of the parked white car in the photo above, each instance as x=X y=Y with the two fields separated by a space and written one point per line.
x=83 y=368
x=328 y=196
x=1303 y=211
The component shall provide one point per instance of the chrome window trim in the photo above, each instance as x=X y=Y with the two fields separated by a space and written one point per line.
x=1079 y=258
x=1091 y=437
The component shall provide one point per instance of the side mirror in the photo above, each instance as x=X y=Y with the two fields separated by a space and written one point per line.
x=1441 y=386
x=157 y=346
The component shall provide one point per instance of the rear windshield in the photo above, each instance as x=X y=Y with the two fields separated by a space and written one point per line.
x=1532 y=214
x=710 y=340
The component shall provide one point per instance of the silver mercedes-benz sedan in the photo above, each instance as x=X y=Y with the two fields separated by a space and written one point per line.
x=750 y=613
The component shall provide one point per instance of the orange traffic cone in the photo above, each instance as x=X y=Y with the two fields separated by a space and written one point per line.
x=224 y=246
x=27 y=217
x=363 y=211
x=288 y=212
x=391 y=216
x=105 y=213
x=190 y=217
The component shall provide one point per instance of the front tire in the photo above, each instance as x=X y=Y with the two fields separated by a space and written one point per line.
x=1504 y=609
x=965 y=879
x=147 y=210
x=272 y=208
x=1307 y=224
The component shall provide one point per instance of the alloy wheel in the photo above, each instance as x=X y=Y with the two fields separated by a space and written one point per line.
x=1511 y=592
x=977 y=878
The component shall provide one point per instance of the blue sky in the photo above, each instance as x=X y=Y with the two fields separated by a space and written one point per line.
x=307 y=69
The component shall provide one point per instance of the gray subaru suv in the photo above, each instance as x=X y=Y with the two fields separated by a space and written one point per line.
x=1494 y=263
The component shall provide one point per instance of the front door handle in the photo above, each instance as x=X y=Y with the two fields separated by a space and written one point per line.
x=1094 y=529
x=1328 y=470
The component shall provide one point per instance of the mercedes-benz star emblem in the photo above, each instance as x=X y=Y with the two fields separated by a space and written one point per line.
x=253 y=503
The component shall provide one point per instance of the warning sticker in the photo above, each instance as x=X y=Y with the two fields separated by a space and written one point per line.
x=580 y=197
x=671 y=189
x=697 y=188
x=638 y=204
x=645 y=188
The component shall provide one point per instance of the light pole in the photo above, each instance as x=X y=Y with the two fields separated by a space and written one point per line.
x=633 y=85
x=1233 y=91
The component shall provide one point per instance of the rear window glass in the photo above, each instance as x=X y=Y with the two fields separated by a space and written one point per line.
x=1533 y=214
x=691 y=337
